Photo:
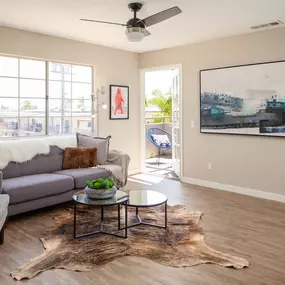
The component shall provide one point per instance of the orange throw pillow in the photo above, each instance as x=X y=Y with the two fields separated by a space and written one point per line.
x=83 y=157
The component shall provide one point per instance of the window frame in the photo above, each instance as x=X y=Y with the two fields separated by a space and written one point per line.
x=47 y=98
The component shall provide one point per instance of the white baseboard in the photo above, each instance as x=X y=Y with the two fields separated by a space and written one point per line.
x=134 y=171
x=235 y=189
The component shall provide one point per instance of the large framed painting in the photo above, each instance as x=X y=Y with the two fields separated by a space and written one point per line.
x=119 y=102
x=243 y=100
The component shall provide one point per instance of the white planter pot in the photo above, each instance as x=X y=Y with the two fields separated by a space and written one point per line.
x=100 y=193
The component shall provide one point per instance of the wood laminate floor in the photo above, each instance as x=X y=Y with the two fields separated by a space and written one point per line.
x=240 y=225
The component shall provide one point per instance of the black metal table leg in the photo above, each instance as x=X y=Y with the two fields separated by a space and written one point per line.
x=101 y=230
x=165 y=213
x=119 y=217
x=102 y=213
x=74 y=220
x=126 y=220
x=138 y=216
x=102 y=219
x=140 y=222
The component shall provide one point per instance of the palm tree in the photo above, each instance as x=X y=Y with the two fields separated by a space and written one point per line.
x=163 y=102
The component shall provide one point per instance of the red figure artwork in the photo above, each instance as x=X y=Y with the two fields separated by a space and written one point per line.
x=119 y=101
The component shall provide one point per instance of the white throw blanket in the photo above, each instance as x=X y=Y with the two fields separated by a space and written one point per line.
x=22 y=150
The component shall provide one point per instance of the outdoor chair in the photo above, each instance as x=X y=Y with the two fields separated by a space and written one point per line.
x=161 y=139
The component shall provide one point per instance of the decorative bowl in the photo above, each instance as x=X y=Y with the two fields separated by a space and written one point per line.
x=100 y=194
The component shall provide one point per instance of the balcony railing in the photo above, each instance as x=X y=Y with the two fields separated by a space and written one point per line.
x=152 y=120
x=152 y=117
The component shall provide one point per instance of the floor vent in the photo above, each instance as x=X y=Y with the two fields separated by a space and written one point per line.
x=271 y=24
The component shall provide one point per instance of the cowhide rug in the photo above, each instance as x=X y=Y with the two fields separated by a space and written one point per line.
x=181 y=245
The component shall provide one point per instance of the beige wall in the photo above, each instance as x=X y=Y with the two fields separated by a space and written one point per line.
x=251 y=162
x=112 y=66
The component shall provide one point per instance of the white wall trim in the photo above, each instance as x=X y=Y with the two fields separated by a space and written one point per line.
x=235 y=189
x=134 y=171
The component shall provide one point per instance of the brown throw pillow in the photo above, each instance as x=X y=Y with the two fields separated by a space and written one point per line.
x=75 y=157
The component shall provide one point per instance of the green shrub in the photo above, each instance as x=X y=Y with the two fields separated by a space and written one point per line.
x=100 y=183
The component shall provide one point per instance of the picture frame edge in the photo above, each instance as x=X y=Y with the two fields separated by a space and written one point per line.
x=228 y=67
x=110 y=101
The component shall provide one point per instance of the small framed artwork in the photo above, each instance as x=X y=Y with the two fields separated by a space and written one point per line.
x=119 y=102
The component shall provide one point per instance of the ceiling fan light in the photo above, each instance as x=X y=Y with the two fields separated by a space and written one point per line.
x=135 y=34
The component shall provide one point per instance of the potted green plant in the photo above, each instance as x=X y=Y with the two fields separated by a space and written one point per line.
x=101 y=188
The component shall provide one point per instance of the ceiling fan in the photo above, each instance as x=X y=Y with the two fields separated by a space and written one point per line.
x=135 y=27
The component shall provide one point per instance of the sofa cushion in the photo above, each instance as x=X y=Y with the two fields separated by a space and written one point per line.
x=80 y=175
x=39 y=164
x=37 y=186
x=102 y=145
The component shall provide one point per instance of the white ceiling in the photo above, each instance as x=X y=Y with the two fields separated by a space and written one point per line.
x=201 y=19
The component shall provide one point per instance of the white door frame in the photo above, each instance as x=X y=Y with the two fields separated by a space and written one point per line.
x=142 y=112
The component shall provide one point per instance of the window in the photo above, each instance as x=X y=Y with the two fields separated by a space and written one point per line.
x=70 y=105
x=22 y=97
x=41 y=98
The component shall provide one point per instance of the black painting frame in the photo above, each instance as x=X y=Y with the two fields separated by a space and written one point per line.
x=110 y=101
x=226 y=67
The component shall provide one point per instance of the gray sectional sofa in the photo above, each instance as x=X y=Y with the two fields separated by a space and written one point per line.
x=41 y=181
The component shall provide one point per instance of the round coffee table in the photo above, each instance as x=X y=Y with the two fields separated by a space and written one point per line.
x=121 y=198
x=147 y=198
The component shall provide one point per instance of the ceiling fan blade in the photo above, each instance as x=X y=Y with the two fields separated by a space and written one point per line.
x=103 y=22
x=146 y=33
x=161 y=16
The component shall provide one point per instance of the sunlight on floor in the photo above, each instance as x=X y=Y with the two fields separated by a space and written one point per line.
x=138 y=181
x=163 y=168
x=147 y=178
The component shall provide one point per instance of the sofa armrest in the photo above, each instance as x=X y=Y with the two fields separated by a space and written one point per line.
x=121 y=159
x=1 y=178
